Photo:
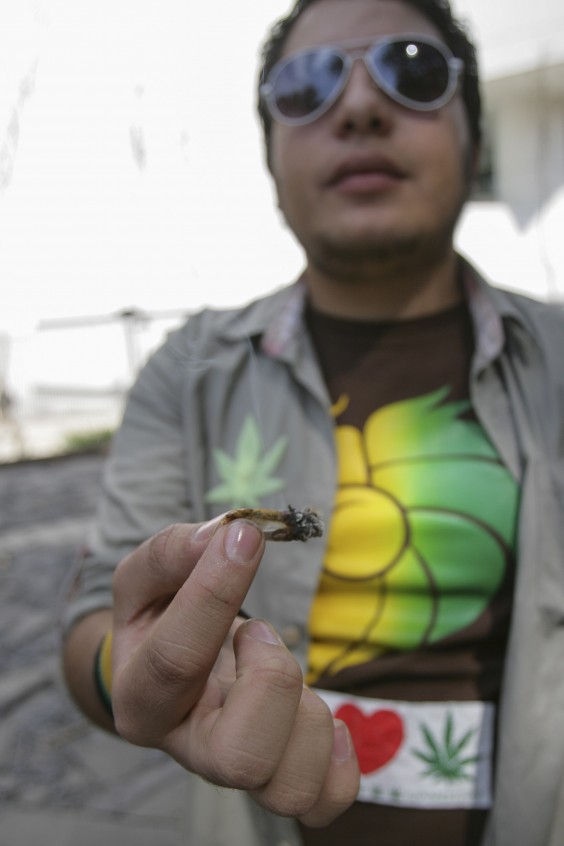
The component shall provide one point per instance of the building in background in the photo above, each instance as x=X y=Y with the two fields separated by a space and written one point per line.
x=513 y=229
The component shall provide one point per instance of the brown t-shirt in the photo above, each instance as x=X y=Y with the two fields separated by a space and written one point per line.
x=417 y=608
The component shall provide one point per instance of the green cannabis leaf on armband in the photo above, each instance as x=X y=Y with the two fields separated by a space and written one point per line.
x=445 y=757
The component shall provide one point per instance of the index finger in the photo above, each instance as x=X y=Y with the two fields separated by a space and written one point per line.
x=158 y=684
x=159 y=567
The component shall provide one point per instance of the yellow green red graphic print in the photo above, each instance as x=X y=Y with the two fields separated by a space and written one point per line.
x=420 y=537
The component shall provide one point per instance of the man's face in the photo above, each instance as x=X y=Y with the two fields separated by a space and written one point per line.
x=370 y=177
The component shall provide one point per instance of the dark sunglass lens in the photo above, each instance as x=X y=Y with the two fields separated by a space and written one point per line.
x=306 y=82
x=416 y=70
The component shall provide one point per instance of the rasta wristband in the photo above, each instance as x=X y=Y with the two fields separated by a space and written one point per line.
x=103 y=672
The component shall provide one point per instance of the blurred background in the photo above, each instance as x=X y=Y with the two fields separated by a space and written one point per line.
x=132 y=193
x=133 y=189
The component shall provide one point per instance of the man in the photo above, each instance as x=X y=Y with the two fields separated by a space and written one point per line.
x=415 y=407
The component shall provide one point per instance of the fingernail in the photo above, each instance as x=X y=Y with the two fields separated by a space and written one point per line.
x=342 y=743
x=241 y=541
x=205 y=531
x=263 y=632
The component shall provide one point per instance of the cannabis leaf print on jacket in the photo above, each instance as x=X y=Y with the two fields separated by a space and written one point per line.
x=248 y=475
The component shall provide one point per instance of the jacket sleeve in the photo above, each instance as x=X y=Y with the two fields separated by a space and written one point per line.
x=144 y=484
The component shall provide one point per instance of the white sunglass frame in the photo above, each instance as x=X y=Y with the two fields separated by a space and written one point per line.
x=352 y=51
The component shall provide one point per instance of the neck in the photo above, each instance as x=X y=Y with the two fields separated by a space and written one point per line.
x=395 y=290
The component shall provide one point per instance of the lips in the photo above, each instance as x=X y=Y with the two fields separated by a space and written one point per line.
x=365 y=171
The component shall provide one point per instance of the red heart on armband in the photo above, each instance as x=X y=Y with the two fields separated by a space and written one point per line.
x=376 y=737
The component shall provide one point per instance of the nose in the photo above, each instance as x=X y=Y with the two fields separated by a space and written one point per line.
x=362 y=107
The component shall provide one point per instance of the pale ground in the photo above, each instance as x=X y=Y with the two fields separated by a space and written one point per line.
x=62 y=781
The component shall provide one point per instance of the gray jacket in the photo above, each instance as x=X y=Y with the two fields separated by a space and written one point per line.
x=223 y=368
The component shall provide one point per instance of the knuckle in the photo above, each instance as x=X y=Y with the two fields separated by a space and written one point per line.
x=317 y=711
x=287 y=801
x=342 y=795
x=337 y=795
x=155 y=552
x=129 y=728
x=171 y=666
x=219 y=595
x=121 y=578
x=241 y=770
x=159 y=546
x=279 y=672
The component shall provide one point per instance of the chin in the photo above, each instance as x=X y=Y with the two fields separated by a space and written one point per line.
x=383 y=251
x=377 y=245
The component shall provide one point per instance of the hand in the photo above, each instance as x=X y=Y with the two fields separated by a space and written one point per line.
x=223 y=696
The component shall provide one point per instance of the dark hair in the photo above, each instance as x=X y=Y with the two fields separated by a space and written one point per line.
x=436 y=11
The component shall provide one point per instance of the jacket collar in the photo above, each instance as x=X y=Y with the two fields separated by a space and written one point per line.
x=494 y=312
x=278 y=318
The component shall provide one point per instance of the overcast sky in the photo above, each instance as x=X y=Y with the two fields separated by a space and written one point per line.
x=131 y=166
x=130 y=161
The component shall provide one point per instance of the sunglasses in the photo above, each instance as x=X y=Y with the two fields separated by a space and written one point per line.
x=416 y=71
